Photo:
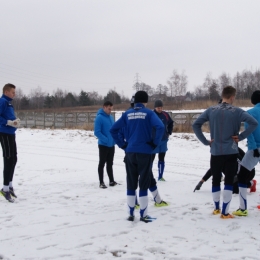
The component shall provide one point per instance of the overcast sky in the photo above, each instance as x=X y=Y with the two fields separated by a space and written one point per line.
x=101 y=44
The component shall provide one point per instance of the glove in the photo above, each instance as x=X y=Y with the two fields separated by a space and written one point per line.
x=198 y=186
x=152 y=144
x=256 y=153
x=14 y=123
x=124 y=146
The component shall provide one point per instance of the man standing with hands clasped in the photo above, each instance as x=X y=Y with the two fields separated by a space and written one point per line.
x=224 y=122
x=8 y=126
x=106 y=144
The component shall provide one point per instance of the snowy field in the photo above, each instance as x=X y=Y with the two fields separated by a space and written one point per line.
x=61 y=213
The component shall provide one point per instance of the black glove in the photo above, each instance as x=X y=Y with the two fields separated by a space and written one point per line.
x=256 y=153
x=198 y=186
x=152 y=144
x=124 y=146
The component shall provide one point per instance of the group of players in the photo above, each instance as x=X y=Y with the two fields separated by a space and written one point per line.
x=142 y=133
x=226 y=157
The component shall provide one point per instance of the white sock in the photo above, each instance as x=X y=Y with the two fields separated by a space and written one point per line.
x=227 y=197
x=143 y=200
x=131 y=204
x=11 y=184
x=242 y=197
x=5 y=188
x=216 y=196
x=156 y=196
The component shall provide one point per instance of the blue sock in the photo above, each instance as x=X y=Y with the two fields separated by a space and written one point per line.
x=160 y=169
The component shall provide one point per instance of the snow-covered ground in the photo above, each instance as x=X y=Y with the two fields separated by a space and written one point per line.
x=61 y=213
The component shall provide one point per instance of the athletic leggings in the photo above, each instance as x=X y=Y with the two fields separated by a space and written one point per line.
x=225 y=163
x=160 y=156
x=8 y=144
x=106 y=156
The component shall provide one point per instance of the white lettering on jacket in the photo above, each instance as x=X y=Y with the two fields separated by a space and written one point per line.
x=137 y=115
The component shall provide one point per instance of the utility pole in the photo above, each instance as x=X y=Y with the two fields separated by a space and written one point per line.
x=114 y=95
x=137 y=84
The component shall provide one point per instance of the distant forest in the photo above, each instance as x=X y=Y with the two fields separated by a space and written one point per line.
x=175 y=91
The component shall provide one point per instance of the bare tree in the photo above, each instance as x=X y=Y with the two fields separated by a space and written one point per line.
x=183 y=83
x=224 y=80
x=173 y=83
x=199 y=93
x=177 y=84
x=95 y=97
x=161 y=91
x=37 y=98
x=59 y=96
x=208 y=81
x=237 y=83
x=18 y=97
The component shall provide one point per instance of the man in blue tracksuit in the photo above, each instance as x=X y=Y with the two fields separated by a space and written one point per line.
x=224 y=121
x=158 y=202
x=252 y=156
x=138 y=145
x=106 y=144
x=162 y=147
x=8 y=126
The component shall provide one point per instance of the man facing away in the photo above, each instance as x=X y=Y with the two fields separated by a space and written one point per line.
x=224 y=122
x=8 y=126
x=158 y=202
x=106 y=144
x=138 y=145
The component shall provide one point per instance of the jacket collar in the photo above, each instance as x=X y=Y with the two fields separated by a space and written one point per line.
x=138 y=106
x=6 y=97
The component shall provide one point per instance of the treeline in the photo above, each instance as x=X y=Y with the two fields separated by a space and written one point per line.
x=38 y=99
x=175 y=91
x=245 y=82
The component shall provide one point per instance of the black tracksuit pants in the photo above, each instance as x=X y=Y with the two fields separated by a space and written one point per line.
x=225 y=163
x=8 y=144
x=106 y=156
x=138 y=169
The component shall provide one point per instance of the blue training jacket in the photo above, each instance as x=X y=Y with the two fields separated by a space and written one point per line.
x=137 y=125
x=224 y=122
x=253 y=140
x=103 y=123
x=6 y=113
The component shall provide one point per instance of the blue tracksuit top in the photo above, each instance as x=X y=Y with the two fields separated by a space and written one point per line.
x=103 y=123
x=6 y=113
x=137 y=125
x=167 y=122
x=224 y=121
x=253 y=140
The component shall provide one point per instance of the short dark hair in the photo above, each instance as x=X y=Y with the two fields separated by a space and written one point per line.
x=108 y=103
x=8 y=87
x=228 y=92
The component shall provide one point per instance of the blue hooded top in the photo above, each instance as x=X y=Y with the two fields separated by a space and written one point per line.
x=103 y=124
x=6 y=113
x=253 y=140
x=136 y=125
